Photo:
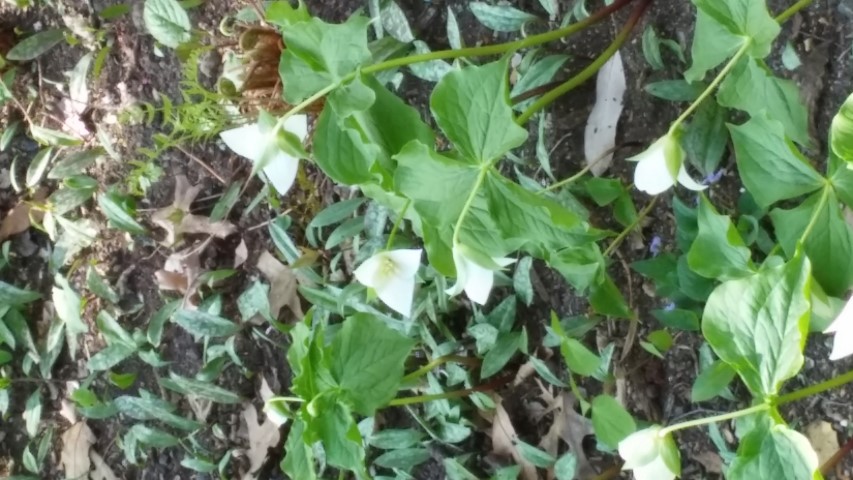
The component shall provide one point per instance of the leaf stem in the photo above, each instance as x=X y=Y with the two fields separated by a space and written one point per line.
x=581 y=173
x=481 y=177
x=449 y=395
x=716 y=418
x=815 y=389
x=437 y=362
x=815 y=214
x=397 y=223
x=790 y=11
x=714 y=84
x=624 y=233
x=590 y=70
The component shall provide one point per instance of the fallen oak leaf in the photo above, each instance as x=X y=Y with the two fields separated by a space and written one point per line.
x=504 y=441
x=176 y=219
x=102 y=471
x=283 y=285
x=261 y=437
x=575 y=428
x=76 y=442
x=20 y=217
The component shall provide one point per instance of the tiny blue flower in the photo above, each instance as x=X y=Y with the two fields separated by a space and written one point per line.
x=656 y=245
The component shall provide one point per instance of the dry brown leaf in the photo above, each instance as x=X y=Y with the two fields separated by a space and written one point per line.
x=712 y=461
x=76 y=442
x=824 y=440
x=282 y=285
x=102 y=471
x=177 y=220
x=575 y=428
x=241 y=254
x=18 y=219
x=261 y=438
x=503 y=442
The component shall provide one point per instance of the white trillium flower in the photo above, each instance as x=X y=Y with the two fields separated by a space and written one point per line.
x=475 y=274
x=263 y=150
x=661 y=166
x=842 y=327
x=392 y=276
x=650 y=455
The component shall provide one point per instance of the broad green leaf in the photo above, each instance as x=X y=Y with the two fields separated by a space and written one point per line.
x=675 y=90
x=829 y=246
x=153 y=409
x=758 y=324
x=612 y=423
x=501 y=18
x=751 y=87
x=167 y=22
x=367 y=360
x=706 y=137
x=340 y=436
x=403 y=458
x=544 y=225
x=678 y=318
x=319 y=54
x=395 y=438
x=841 y=131
x=14 y=296
x=438 y=185
x=539 y=73
x=718 y=251
x=578 y=358
x=713 y=44
x=35 y=45
x=770 y=166
x=281 y=13
x=712 y=381
x=206 y=390
x=341 y=152
x=205 y=324
x=782 y=453
x=744 y=18
x=298 y=459
x=581 y=266
x=606 y=299
x=471 y=106
x=351 y=98
x=566 y=466
x=118 y=214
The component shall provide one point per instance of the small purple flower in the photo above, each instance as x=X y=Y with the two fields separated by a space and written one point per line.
x=656 y=245
x=669 y=307
x=713 y=177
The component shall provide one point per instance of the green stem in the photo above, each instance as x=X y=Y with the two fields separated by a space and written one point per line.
x=713 y=86
x=790 y=11
x=497 y=382
x=815 y=389
x=286 y=399
x=397 y=223
x=481 y=177
x=624 y=233
x=815 y=214
x=486 y=50
x=567 y=181
x=590 y=70
x=716 y=418
x=435 y=363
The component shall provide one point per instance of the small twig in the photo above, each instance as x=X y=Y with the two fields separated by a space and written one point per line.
x=204 y=165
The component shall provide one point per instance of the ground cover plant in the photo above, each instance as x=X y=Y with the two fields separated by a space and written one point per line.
x=357 y=291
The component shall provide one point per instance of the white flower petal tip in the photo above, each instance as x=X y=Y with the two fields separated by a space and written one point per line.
x=263 y=150
x=392 y=276
x=842 y=327
x=650 y=455
x=473 y=277
x=661 y=166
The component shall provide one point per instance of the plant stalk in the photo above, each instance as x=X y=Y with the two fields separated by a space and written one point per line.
x=436 y=363
x=790 y=11
x=481 y=177
x=590 y=70
x=815 y=389
x=485 y=387
x=815 y=214
x=716 y=418
x=397 y=223
x=624 y=233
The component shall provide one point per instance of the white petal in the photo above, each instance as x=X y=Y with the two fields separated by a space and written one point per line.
x=406 y=261
x=461 y=263
x=246 y=141
x=398 y=293
x=367 y=273
x=654 y=470
x=479 y=283
x=503 y=261
x=639 y=448
x=842 y=326
x=844 y=317
x=297 y=125
x=281 y=171
x=687 y=182
x=652 y=175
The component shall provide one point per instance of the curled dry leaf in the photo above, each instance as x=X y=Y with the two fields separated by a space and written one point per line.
x=282 y=285
x=76 y=442
x=177 y=220
x=600 y=133
x=503 y=441
x=17 y=220
x=261 y=437
x=574 y=428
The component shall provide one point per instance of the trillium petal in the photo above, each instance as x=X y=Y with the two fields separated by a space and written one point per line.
x=281 y=171
x=687 y=181
x=397 y=293
x=654 y=470
x=461 y=263
x=479 y=283
x=407 y=261
x=246 y=141
x=640 y=448
x=652 y=174
x=842 y=326
x=368 y=272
